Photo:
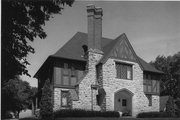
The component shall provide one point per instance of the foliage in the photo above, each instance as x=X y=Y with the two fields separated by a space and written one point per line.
x=177 y=110
x=22 y=22
x=170 y=85
x=84 y=113
x=170 y=107
x=46 y=106
x=15 y=96
x=153 y=115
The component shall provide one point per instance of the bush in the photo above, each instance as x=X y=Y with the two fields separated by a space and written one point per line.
x=84 y=113
x=28 y=118
x=46 y=106
x=170 y=107
x=153 y=115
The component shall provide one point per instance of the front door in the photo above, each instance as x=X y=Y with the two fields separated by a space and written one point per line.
x=123 y=101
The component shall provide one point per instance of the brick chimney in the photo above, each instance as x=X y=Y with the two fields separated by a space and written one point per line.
x=94 y=27
x=94 y=53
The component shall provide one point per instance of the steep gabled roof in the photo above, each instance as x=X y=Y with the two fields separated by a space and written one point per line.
x=73 y=50
x=147 y=67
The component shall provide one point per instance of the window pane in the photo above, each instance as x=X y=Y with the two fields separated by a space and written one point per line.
x=124 y=102
x=65 y=80
x=73 y=71
x=64 y=101
x=80 y=74
x=124 y=72
x=65 y=65
x=66 y=71
x=149 y=88
x=145 y=82
x=64 y=98
x=128 y=72
x=57 y=75
x=73 y=80
x=118 y=70
x=158 y=87
x=145 y=88
x=154 y=86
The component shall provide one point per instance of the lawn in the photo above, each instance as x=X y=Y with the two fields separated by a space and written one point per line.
x=101 y=118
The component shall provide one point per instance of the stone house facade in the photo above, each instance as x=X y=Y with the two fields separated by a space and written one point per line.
x=95 y=73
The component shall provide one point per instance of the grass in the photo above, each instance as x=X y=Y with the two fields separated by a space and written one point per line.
x=101 y=118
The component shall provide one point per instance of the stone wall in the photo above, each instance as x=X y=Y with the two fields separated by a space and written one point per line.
x=87 y=95
x=112 y=84
x=57 y=98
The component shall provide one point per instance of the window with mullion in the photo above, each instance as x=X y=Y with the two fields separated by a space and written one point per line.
x=124 y=71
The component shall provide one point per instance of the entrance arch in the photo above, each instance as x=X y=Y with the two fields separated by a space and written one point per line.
x=123 y=101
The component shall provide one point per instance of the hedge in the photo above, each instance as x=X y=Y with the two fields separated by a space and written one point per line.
x=153 y=115
x=84 y=113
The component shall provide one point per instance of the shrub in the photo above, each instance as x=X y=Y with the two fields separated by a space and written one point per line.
x=170 y=107
x=46 y=106
x=28 y=118
x=153 y=115
x=177 y=110
x=84 y=113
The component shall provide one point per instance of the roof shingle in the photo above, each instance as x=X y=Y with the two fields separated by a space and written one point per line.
x=73 y=50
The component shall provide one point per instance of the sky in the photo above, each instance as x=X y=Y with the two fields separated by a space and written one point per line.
x=153 y=28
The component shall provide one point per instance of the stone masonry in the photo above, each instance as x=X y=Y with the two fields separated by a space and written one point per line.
x=87 y=95
x=112 y=84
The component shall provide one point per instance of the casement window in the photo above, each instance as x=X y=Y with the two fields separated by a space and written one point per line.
x=149 y=99
x=64 y=98
x=124 y=71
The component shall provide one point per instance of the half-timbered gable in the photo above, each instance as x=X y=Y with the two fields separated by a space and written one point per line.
x=123 y=50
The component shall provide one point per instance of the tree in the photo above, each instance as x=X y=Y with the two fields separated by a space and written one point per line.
x=15 y=96
x=169 y=81
x=46 y=106
x=22 y=22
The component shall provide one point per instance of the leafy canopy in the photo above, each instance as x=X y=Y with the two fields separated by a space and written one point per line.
x=170 y=65
x=22 y=22
x=16 y=95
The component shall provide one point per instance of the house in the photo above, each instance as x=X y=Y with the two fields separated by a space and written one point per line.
x=95 y=73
